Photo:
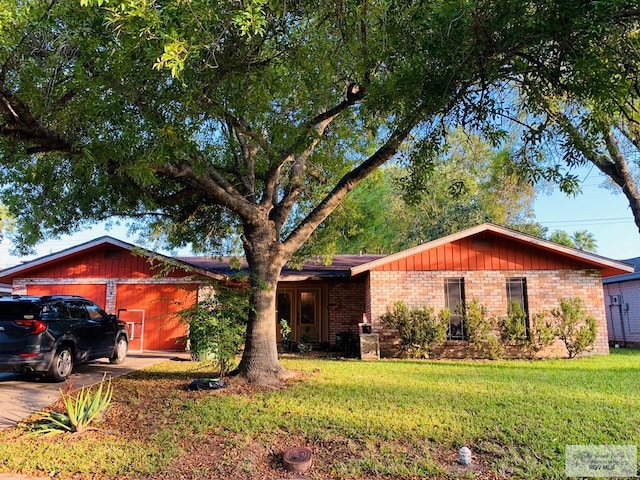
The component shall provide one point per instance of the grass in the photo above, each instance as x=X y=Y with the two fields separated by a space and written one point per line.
x=386 y=419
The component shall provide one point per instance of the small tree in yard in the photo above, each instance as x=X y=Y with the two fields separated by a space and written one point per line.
x=217 y=326
x=419 y=328
x=480 y=329
x=574 y=327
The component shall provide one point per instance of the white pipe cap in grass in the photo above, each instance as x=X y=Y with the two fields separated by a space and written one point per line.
x=465 y=456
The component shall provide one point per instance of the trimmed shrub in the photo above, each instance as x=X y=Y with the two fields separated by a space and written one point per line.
x=480 y=329
x=542 y=333
x=513 y=327
x=419 y=328
x=574 y=327
x=217 y=327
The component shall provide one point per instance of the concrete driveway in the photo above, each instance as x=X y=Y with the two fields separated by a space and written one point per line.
x=20 y=397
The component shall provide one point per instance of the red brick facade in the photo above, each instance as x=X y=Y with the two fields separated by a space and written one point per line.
x=345 y=307
x=544 y=290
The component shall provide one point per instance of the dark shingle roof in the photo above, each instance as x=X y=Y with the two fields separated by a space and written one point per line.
x=340 y=266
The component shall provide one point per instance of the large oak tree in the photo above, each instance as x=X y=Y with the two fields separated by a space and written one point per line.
x=211 y=119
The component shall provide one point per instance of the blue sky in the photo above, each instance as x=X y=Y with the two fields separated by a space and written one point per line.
x=606 y=215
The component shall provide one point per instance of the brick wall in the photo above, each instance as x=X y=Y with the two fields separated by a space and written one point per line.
x=544 y=289
x=346 y=304
x=623 y=318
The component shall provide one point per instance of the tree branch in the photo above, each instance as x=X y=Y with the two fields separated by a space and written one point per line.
x=212 y=185
x=20 y=124
x=319 y=125
x=343 y=187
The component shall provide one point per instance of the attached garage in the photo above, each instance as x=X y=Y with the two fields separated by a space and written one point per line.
x=126 y=281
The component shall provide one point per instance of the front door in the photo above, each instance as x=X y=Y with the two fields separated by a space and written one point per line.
x=135 y=326
x=300 y=307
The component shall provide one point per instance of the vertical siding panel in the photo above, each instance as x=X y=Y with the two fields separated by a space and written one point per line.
x=448 y=256
x=430 y=262
x=454 y=251
x=532 y=262
x=503 y=257
x=442 y=257
x=472 y=256
x=419 y=261
x=517 y=258
x=482 y=260
x=455 y=256
x=511 y=264
x=544 y=261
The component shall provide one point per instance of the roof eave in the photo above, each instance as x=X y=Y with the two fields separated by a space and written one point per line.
x=32 y=264
x=597 y=261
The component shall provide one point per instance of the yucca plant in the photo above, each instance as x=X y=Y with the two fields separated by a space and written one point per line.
x=82 y=409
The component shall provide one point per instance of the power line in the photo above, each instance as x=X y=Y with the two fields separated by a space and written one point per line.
x=592 y=221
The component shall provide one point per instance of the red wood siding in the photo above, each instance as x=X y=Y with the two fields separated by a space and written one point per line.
x=162 y=331
x=486 y=253
x=101 y=262
x=95 y=293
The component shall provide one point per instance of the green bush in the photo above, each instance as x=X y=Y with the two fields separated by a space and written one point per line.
x=513 y=327
x=480 y=329
x=514 y=332
x=542 y=333
x=217 y=327
x=419 y=328
x=574 y=327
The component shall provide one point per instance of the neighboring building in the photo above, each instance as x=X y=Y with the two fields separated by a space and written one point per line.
x=622 y=306
x=5 y=289
x=324 y=303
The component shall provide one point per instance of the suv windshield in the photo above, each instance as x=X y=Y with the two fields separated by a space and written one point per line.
x=19 y=310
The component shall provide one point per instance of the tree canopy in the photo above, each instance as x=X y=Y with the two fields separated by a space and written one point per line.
x=469 y=183
x=255 y=119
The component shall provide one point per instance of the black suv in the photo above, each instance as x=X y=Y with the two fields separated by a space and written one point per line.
x=50 y=335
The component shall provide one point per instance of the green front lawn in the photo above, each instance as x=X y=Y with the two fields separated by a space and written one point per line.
x=386 y=419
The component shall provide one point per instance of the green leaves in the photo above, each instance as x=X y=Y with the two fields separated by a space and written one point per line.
x=217 y=326
x=419 y=328
x=574 y=326
x=173 y=58
x=251 y=20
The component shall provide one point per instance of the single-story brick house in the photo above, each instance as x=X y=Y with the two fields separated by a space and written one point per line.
x=622 y=306
x=325 y=302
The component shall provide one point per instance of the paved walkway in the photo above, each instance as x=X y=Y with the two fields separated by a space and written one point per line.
x=20 y=397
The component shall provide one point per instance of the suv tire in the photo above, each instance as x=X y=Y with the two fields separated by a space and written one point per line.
x=62 y=364
x=120 y=352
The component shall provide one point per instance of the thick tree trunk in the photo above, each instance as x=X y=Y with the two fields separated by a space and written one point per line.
x=259 y=364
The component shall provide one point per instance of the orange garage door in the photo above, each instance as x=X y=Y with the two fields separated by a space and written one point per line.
x=95 y=293
x=158 y=305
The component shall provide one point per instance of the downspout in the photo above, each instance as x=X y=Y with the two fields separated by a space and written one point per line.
x=624 y=335
x=613 y=327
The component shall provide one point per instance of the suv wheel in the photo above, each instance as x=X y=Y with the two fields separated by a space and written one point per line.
x=120 y=351
x=62 y=364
